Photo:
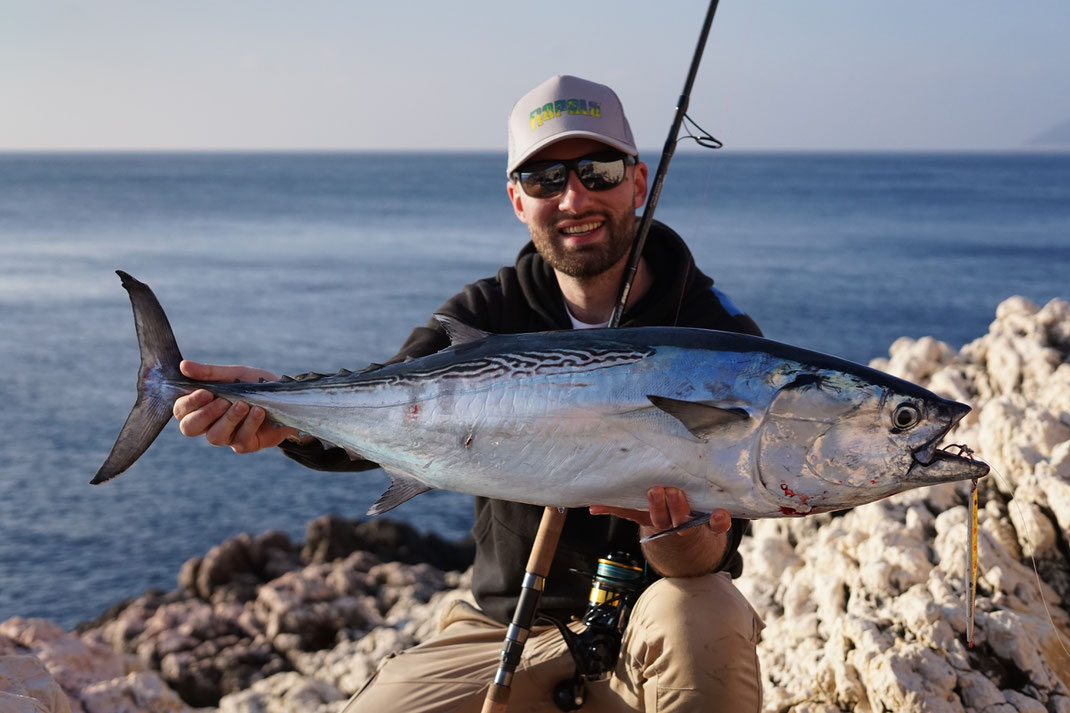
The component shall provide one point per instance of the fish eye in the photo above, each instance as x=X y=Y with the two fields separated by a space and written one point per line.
x=906 y=415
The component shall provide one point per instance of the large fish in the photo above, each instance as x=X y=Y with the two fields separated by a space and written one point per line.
x=574 y=418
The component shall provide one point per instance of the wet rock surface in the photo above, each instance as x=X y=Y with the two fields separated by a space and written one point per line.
x=865 y=609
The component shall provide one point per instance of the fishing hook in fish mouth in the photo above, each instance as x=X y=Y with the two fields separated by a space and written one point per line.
x=964 y=450
x=931 y=462
x=927 y=452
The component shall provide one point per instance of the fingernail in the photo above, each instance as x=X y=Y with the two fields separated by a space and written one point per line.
x=240 y=408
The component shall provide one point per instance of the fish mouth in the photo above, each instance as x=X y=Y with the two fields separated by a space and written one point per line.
x=945 y=467
x=936 y=465
x=925 y=454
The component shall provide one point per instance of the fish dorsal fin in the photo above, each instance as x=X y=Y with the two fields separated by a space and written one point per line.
x=701 y=419
x=402 y=487
x=458 y=331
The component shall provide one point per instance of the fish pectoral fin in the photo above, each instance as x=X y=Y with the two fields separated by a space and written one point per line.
x=458 y=331
x=324 y=443
x=696 y=521
x=402 y=487
x=701 y=419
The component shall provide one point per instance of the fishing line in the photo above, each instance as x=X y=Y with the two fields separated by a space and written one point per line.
x=730 y=84
x=706 y=140
x=1036 y=570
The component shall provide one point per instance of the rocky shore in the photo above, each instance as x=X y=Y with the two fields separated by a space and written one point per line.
x=865 y=610
x=256 y=624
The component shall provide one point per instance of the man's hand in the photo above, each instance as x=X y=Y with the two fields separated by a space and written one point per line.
x=222 y=423
x=691 y=552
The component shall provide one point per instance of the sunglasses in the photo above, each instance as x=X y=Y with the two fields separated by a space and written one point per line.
x=597 y=172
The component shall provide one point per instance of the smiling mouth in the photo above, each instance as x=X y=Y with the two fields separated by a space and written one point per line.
x=581 y=229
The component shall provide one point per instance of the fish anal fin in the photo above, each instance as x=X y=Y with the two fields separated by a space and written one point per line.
x=458 y=331
x=700 y=418
x=402 y=487
x=328 y=445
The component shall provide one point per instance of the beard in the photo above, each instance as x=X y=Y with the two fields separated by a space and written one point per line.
x=585 y=261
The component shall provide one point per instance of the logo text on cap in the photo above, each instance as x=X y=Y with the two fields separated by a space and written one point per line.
x=554 y=109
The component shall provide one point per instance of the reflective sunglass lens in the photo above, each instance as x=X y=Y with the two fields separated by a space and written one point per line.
x=546 y=182
x=595 y=173
x=600 y=175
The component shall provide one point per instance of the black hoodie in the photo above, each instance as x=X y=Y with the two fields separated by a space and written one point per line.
x=526 y=298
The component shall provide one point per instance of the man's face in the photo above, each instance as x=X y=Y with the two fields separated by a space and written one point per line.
x=581 y=233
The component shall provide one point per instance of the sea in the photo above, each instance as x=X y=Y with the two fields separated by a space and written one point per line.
x=301 y=262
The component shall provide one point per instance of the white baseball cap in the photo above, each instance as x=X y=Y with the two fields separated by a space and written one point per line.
x=566 y=107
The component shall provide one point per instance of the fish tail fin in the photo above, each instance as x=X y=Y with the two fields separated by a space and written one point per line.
x=155 y=393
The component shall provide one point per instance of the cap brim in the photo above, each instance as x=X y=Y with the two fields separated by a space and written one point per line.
x=574 y=134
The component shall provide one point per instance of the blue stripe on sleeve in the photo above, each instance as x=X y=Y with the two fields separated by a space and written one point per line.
x=727 y=303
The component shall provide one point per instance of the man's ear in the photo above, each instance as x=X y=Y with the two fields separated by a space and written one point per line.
x=640 y=184
x=515 y=197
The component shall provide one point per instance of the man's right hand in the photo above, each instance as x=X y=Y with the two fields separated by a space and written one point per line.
x=222 y=423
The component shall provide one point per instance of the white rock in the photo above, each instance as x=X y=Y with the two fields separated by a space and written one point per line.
x=351 y=663
x=1023 y=703
x=978 y=692
x=15 y=703
x=1012 y=308
x=1036 y=533
x=25 y=684
x=1057 y=495
x=1060 y=460
x=288 y=692
x=1059 y=704
x=135 y=693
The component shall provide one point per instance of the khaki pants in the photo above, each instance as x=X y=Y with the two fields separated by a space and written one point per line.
x=690 y=646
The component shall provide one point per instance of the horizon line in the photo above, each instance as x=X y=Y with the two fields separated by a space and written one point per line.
x=650 y=151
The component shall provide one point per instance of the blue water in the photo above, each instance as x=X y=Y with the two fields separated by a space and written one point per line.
x=300 y=262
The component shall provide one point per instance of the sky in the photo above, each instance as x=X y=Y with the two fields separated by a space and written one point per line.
x=929 y=75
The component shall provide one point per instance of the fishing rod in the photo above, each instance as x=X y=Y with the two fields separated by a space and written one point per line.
x=663 y=168
x=553 y=518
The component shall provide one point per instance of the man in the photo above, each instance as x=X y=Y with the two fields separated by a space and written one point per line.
x=576 y=182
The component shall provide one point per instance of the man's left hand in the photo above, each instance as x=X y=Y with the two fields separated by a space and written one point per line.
x=694 y=551
x=668 y=508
